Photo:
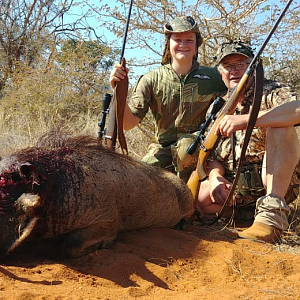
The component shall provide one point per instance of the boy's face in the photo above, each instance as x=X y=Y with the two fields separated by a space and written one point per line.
x=183 y=46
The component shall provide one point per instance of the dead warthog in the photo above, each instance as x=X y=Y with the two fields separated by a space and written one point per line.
x=82 y=195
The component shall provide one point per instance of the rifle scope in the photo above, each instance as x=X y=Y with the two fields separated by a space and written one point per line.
x=105 y=110
x=217 y=105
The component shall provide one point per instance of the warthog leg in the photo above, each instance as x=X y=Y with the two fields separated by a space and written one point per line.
x=86 y=240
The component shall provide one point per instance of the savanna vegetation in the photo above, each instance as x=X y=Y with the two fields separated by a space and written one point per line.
x=56 y=56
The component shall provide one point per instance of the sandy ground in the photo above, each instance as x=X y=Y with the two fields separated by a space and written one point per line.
x=198 y=263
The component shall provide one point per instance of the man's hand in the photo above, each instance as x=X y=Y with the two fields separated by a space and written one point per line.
x=232 y=123
x=117 y=74
x=219 y=189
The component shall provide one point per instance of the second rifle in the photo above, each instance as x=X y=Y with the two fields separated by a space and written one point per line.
x=212 y=138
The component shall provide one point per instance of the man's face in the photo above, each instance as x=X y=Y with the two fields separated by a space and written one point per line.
x=232 y=68
x=183 y=46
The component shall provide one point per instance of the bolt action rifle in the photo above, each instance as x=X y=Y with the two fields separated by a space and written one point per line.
x=117 y=106
x=237 y=93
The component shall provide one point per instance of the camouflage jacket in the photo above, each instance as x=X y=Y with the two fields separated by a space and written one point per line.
x=178 y=103
x=274 y=94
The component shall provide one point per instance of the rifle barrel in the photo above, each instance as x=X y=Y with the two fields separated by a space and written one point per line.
x=126 y=30
x=273 y=28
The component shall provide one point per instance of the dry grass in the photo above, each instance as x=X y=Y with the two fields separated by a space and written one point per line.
x=18 y=134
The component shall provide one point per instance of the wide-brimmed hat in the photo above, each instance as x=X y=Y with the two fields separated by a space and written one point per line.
x=178 y=25
x=182 y=24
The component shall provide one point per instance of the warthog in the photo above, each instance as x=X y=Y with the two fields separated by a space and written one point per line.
x=82 y=195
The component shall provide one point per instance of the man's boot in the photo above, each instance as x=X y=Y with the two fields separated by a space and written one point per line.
x=261 y=232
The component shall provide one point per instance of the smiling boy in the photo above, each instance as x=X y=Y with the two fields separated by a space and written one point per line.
x=178 y=93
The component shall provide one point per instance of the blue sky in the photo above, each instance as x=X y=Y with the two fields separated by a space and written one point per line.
x=108 y=37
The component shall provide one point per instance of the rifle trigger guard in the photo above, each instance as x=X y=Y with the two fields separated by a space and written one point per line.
x=204 y=149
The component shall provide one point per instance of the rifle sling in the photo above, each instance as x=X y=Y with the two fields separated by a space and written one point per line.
x=121 y=90
x=251 y=123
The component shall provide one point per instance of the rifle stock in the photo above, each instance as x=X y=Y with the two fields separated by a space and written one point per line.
x=116 y=113
x=211 y=140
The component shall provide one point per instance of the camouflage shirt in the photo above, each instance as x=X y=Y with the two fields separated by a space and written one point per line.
x=274 y=94
x=178 y=103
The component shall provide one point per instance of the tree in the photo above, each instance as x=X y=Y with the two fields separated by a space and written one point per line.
x=54 y=68
x=26 y=32
x=87 y=66
x=51 y=73
x=218 y=21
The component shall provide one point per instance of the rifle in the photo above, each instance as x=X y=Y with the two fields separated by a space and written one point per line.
x=212 y=138
x=216 y=106
x=118 y=102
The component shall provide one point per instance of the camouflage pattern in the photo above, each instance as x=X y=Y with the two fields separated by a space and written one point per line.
x=180 y=24
x=159 y=156
x=233 y=47
x=173 y=157
x=274 y=95
x=178 y=103
x=183 y=162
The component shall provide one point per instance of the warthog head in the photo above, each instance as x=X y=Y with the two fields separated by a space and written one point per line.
x=17 y=203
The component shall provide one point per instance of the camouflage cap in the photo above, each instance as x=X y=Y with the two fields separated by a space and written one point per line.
x=178 y=25
x=233 y=47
